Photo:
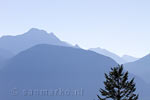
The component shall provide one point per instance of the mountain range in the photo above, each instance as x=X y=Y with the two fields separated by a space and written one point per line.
x=128 y=58
x=118 y=59
x=140 y=68
x=54 y=67
x=34 y=36
x=51 y=67
x=39 y=60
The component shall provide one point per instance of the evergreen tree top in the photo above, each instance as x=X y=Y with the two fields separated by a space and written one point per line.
x=118 y=86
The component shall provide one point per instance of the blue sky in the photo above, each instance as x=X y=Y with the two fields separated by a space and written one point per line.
x=121 y=26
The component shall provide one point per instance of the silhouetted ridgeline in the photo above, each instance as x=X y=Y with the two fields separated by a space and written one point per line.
x=52 y=67
x=31 y=38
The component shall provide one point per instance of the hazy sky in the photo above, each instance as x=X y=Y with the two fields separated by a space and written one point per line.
x=121 y=26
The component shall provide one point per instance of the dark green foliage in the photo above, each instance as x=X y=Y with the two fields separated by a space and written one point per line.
x=117 y=86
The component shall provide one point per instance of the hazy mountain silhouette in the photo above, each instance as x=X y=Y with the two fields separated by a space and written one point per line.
x=33 y=37
x=105 y=52
x=49 y=67
x=140 y=67
x=129 y=58
x=52 y=67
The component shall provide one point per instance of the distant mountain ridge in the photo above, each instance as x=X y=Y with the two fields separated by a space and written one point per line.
x=44 y=61
x=121 y=60
x=33 y=37
x=48 y=66
x=52 y=67
x=140 y=68
x=109 y=54
x=129 y=58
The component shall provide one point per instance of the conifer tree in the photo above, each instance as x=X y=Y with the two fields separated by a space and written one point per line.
x=117 y=86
